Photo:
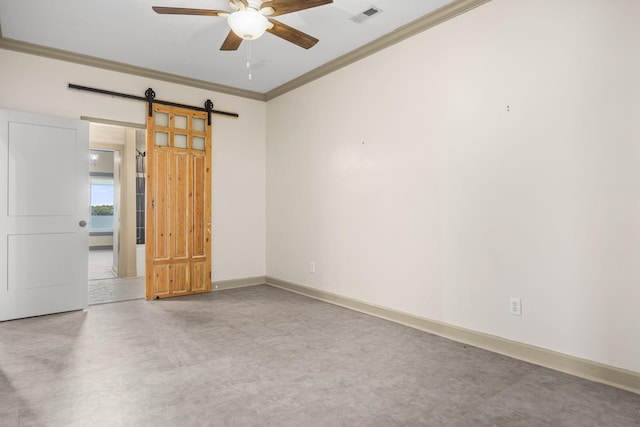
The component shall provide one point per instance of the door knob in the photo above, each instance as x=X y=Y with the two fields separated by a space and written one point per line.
x=82 y=223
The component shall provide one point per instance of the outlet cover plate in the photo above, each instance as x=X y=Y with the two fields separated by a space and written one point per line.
x=515 y=306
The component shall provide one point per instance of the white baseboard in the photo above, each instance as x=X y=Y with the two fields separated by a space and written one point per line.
x=594 y=371
x=220 y=285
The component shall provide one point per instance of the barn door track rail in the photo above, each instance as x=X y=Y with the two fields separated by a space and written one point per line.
x=150 y=96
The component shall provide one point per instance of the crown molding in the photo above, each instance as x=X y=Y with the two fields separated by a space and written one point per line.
x=430 y=20
x=92 y=61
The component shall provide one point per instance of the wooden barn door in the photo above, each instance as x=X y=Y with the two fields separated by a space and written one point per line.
x=178 y=208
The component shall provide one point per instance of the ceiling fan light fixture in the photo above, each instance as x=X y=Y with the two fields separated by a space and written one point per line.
x=248 y=24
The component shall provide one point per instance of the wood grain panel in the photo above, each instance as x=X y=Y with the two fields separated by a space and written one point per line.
x=180 y=203
x=180 y=281
x=161 y=280
x=199 y=278
x=199 y=217
x=160 y=205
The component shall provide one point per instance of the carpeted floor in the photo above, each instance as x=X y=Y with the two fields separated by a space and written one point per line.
x=260 y=356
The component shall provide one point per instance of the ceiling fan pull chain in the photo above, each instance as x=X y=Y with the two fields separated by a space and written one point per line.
x=249 y=57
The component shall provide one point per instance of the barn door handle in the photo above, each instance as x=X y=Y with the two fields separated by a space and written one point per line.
x=82 y=223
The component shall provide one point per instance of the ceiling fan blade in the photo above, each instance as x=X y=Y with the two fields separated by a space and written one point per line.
x=292 y=35
x=232 y=42
x=280 y=7
x=185 y=11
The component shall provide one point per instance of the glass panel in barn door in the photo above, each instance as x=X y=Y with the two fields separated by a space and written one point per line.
x=161 y=139
x=180 y=122
x=179 y=140
x=161 y=119
x=199 y=125
x=198 y=143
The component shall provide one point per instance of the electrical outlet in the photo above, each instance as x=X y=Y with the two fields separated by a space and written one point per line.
x=312 y=267
x=515 y=306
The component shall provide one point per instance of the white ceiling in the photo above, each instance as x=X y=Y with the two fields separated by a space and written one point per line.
x=129 y=32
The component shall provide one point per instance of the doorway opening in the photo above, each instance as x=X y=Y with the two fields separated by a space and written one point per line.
x=116 y=226
x=101 y=204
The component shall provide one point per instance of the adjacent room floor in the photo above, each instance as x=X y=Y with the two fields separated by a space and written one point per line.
x=115 y=290
x=101 y=264
x=104 y=286
x=263 y=356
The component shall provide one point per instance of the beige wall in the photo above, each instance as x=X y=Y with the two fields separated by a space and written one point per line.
x=38 y=84
x=104 y=162
x=495 y=155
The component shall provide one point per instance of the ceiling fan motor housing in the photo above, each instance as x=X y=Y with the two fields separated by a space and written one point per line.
x=248 y=24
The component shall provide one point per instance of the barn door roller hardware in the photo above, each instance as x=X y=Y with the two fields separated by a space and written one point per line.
x=150 y=98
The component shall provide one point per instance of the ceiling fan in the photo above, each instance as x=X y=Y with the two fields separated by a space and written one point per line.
x=249 y=19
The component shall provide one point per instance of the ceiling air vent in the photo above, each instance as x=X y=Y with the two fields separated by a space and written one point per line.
x=363 y=16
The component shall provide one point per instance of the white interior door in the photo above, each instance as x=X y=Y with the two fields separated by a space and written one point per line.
x=43 y=212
